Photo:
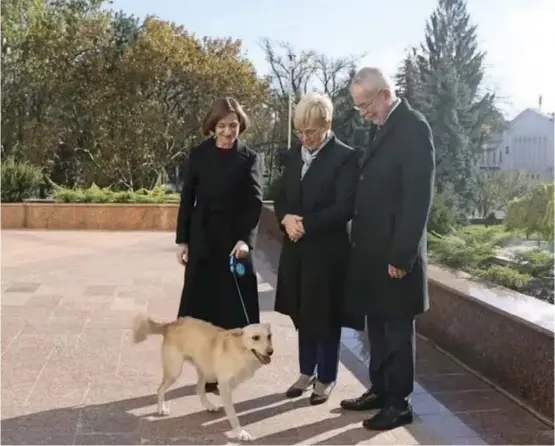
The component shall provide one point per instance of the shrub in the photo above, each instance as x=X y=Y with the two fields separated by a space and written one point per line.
x=536 y=262
x=504 y=276
x=472 y=249
x=495 y=235
x=95 y=194
x=468 y=247
x=533 y=212
x=443 y=216
x=20 y=181
x=456 y=251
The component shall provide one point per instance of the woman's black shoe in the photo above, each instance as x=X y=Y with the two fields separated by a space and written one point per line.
x=321 y=393
x=298 y=388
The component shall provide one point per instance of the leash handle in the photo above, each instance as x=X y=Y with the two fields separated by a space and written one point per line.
x=238 y=269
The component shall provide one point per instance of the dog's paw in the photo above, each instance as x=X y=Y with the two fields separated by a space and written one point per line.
x=241 y=435
x=163 y=411
x=212 y=407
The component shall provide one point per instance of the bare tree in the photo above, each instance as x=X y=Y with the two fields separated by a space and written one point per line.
x=309 y=70
x=282 y=59
x=334 y=73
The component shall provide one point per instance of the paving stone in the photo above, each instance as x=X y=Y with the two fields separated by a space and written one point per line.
x=100 y=290
x=10 y=298
x=129 y=304
x=22 y=287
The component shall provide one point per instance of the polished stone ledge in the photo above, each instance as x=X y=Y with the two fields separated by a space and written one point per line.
x=535 y=313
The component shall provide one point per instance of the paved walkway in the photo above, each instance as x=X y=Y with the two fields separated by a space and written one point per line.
x=70 y=374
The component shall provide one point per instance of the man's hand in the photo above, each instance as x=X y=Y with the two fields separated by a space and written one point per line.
x=395 y=273
x=182 y=254
x=293 y=226
x=240 y=250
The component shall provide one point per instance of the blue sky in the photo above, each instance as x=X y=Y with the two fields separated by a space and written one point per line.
x=518 y=35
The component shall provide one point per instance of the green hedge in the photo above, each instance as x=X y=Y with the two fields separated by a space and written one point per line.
x=95 y=194
x=473 y=249
x=20 y=181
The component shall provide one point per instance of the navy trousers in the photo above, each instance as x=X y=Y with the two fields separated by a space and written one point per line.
x=320 y=355
x=392 y=358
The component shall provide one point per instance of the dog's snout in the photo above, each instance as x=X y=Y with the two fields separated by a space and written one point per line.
x=270 y=351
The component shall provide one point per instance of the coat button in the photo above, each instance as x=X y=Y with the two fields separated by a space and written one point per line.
x=353 y=244
x=361 y=177
x=355 y=212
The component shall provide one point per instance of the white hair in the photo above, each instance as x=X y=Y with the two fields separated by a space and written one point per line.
x=313 y=108
x=372 y=79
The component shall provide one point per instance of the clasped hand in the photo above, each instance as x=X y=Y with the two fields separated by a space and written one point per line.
x=293 y=226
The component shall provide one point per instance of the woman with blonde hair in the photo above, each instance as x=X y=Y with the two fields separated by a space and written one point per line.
x=313 y=205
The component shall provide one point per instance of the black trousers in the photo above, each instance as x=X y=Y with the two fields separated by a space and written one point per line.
x=321 y=355
x=392 y=353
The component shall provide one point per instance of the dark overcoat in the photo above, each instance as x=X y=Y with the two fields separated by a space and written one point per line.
x=311 y=274
x=392 y=204
x=221 y=201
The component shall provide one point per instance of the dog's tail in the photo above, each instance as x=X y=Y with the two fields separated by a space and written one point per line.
x=143 y=326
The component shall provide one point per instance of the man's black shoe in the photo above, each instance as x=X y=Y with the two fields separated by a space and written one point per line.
x=389 y=418
x=367 y=401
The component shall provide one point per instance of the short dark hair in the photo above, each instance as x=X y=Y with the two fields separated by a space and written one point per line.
x=219 y=110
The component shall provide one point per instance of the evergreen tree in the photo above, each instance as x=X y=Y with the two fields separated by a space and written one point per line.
x=443 y=78
x=409 y=79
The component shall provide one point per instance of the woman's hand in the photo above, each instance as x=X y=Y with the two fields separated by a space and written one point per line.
x=183 y=254
x=293 y=226
x=240 y=250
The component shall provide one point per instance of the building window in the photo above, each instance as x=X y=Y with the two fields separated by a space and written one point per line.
x=500 y=157
x=506 y=150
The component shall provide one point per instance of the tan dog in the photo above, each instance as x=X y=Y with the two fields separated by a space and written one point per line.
x=229 y=357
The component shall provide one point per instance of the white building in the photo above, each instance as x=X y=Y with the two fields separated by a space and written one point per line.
x=527 y=145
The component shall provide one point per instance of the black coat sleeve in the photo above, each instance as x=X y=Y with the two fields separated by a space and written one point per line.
x=187 y=201
x=252 y=202
x=341 y=211
x=417 y=180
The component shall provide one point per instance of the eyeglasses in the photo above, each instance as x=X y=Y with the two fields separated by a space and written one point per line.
x=307 y=132
x=366 y=106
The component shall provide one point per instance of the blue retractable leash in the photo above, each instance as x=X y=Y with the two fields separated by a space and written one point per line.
x=238 y=269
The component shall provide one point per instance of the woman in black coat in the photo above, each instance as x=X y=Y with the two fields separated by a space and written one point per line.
x=218 y=217
x=313 y=206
